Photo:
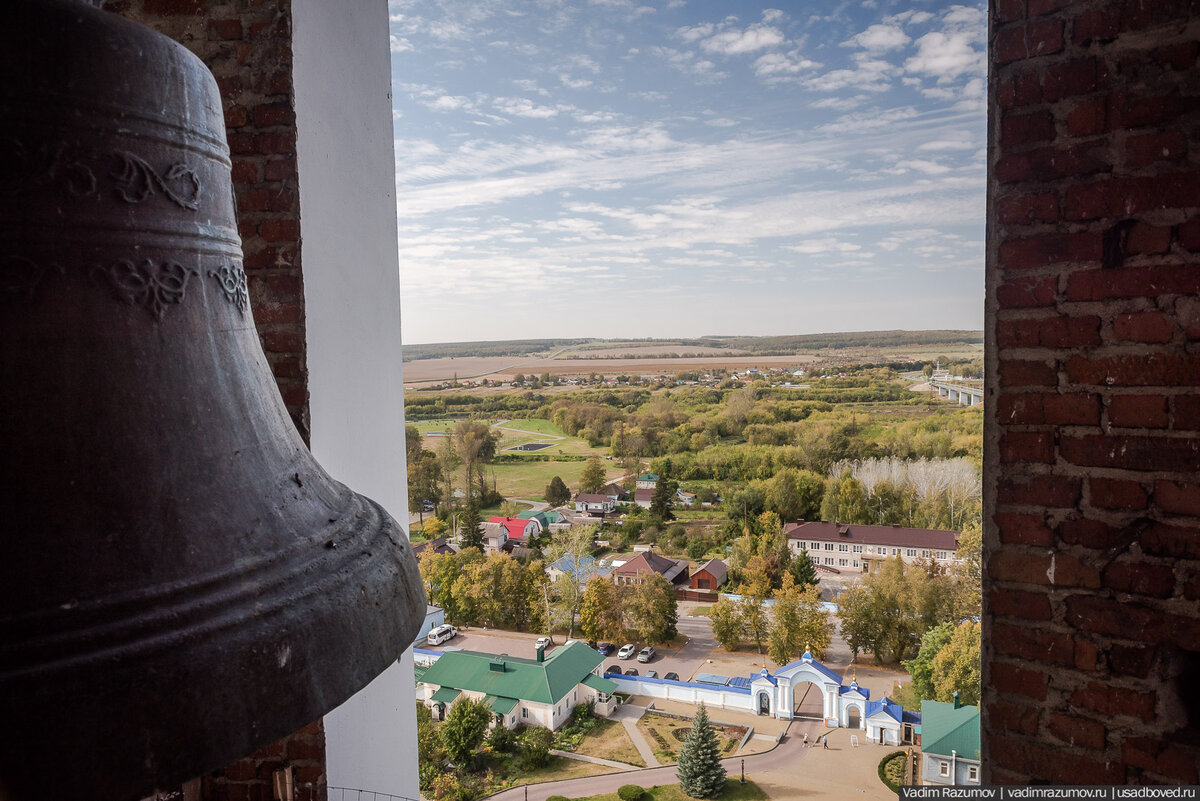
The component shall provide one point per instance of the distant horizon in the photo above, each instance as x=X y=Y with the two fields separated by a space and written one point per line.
x=651 y=339
x=664 y=166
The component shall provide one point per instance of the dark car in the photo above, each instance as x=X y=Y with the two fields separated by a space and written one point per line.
x=631 y=672
x=673 y=676
x=605 y=648
x=614 y=668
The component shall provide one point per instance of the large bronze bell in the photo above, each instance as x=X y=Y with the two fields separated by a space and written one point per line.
x=180 y=583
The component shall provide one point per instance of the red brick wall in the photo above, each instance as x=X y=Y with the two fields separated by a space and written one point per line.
x=1092 y=471
x=248 y=46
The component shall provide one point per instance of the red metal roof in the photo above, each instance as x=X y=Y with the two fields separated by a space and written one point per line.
x=515 y=526
x=894 y=536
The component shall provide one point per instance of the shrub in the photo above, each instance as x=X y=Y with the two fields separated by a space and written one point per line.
x=500 y=739
x=557 y=798
x=630 y=792
x=884 y=764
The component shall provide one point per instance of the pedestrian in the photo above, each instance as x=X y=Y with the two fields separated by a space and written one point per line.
x=825 y=742
x=806 y=739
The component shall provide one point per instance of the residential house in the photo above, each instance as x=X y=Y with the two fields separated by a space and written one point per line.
x=519 y=530
x=594 y=503
x=857 y=548
x=647 y=481
x=949 y=743
x=636 y=569
x=437 y=546
x=615 y=491
x=643 y=497
x=586 y=568
x=541 y=691
x=495 y=537
x=544 y=519
x=710 y=575
x=684 y=497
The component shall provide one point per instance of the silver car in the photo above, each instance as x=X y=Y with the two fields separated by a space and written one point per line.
x=646 y=654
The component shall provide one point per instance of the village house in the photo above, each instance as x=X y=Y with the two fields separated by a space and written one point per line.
x=594 y=503
x=540 y=692
x=643 y=497
x=586 y=568
x=857 y=548
x=646 y=563
x=545 y=519
x=519 y=530
x=710 y=575
x=438 y=546
x=647 y=481
x=495 y=537
x=950 y=753
x=615 y=491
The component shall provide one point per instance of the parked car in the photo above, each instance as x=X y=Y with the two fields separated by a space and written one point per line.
x=613 y=668
x=627 y=651
x=631 y=672
x=426 y=506
x=605 y=648
x=652 y=674
x=543 y=642
x=672 y=676
x=646 y=654
x=440 y=634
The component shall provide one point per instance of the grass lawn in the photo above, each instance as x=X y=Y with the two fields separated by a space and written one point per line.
x=561 y=768
x=734 y=791
x=536 y=425
x=701 y=611
x=529 y=479
x=658 y=731
x=609 y=740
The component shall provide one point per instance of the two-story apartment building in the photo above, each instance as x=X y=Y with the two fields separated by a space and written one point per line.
x=855 y=548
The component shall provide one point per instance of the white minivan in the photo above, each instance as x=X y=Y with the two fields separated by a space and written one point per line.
x=440 y=634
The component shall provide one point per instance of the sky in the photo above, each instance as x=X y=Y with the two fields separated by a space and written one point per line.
x=678 y=168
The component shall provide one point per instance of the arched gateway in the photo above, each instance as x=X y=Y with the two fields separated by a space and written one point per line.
x=807 y=688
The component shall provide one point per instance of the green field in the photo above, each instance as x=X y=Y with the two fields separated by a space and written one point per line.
x=529 y=479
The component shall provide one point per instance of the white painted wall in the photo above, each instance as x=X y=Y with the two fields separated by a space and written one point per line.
x=352 y=311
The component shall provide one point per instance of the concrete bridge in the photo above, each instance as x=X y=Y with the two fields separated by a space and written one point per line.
x=966 y=392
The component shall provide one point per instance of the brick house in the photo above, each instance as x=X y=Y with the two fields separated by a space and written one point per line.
x=709 y=576
x=647 y=562
x=857 y=548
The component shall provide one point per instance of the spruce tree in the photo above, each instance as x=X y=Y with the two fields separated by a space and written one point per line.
x=700 y=772
x=468 y=526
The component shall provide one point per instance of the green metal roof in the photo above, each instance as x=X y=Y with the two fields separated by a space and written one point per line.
x=600 y=684
x=445 y=695
x=511 y=677
x=501 y=706
x=541 y=517
x=945 y=729
x=418 y=672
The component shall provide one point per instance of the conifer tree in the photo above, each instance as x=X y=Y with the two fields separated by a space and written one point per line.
x=700 y=772
x=468 y=526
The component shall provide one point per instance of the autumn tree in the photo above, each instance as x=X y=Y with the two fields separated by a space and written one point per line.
x=464 y=728
x=569 y=549
x=726 y=623
x=798 y=621
x=920 y=667
x=755 y=622
x=892 y=607
x=957 y=666
x=476 y=444
x=556 y=492
x=600 y=614
x=593 y=476
x=845 y=501
x=424 y=473
x=650 y=609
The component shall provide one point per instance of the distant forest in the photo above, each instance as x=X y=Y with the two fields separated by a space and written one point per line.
x=761 y=346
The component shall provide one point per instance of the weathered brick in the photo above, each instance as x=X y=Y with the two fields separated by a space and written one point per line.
x=1088 y=117
x=1026 y=129
x=1157 y=369
x=1109 y=700
x=1149 y=326
x=1111 y=493
x=1073 y=78
x=1050 y=332
x=1145 y=239
x=1074 y=730
x=1040 y=490
x=1036 y=757
x=1027 y=291
x=1088 y=533
x=1033 y=644
x=1017 y=718
x=1021 y=373
x=285 y=230
x=1131 y=660
x=1124 y=196
x=1027 y=446
x=172 y=7
x=1162 y=757
x=1138 y=411
x=1007 y=678
x=1038 y=38
x=1055 y=569
x=1045 y=249
x=1095 y=24
x=1132 y=452
x=225 y=28
x=1023 y=529
x=1021 y=604
x=1114 y=618
x=1173 y=542
x=1019 y=90
x=1071 y=408
x=1185 y=412
x=1146 y=149
x=1028 y=208
x=1133 y=282
x=270 y=114
x=1177 y=497
x=1140 y=578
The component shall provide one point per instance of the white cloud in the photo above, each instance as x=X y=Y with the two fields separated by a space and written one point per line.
x=869 y=75
x=721 y=122
x=400 y=44
x=735 y=42
x=449 y=103
x=688 y=62
x=815 y=247
x=880 y=38
x=778 y=66
x=945 y=56
x=574 y=83
x=523 y=107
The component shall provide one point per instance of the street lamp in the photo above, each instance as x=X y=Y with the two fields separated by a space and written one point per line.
x=743 y=771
